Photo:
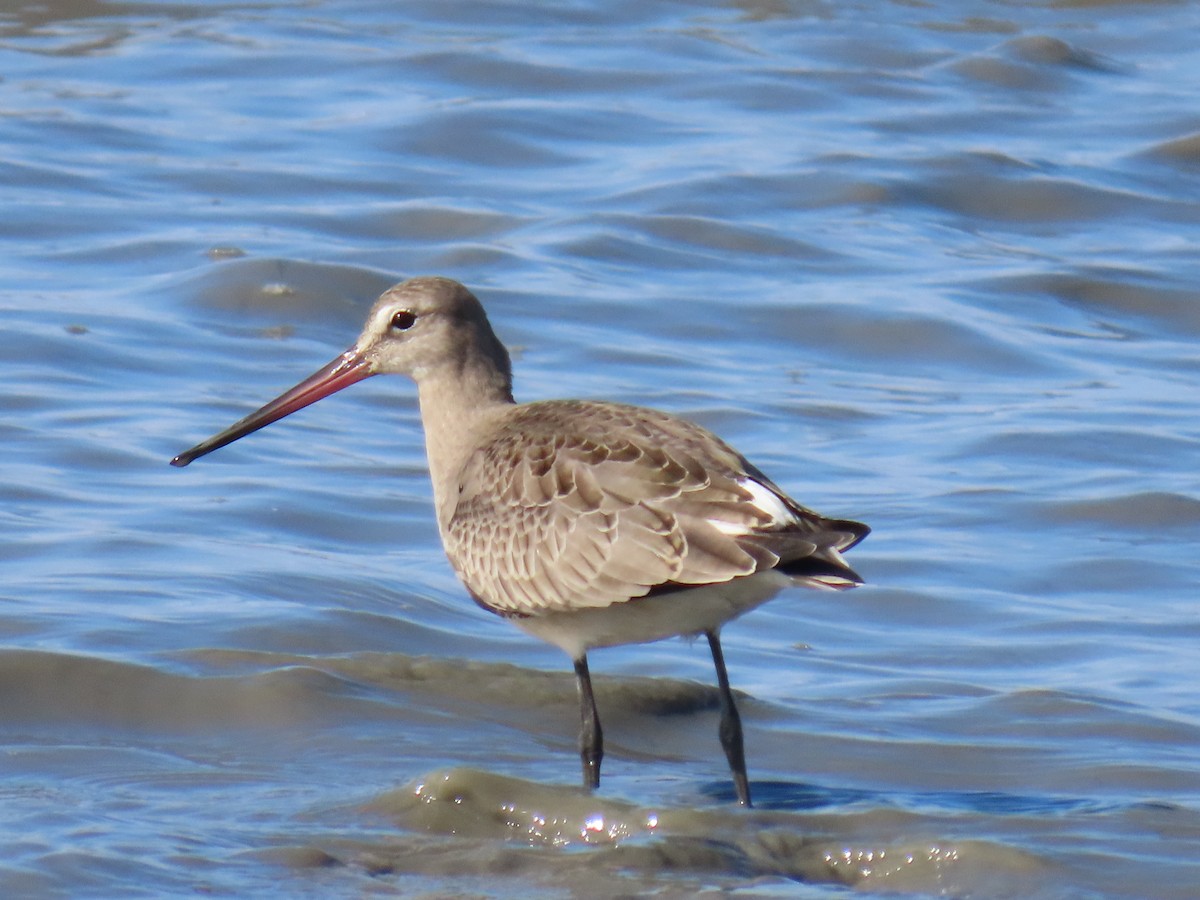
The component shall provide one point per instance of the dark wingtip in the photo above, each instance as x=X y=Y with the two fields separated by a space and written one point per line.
x=857 y=531
x=817 y=568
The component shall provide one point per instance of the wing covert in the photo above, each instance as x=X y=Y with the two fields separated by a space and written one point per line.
x=573 y=504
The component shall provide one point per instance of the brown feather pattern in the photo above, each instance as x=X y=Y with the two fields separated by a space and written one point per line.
x=570 y=504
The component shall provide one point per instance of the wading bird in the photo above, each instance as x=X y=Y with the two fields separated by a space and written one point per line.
x=587 y=524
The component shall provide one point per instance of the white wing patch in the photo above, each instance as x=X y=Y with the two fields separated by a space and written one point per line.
x=764 y=499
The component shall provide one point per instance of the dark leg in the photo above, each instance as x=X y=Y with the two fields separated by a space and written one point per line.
x=731 y=724
x=591 y=741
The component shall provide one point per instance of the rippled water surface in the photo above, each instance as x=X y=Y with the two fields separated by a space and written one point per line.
x=932 y=266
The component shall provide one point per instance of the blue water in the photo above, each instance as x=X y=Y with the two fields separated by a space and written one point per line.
x=931 y=267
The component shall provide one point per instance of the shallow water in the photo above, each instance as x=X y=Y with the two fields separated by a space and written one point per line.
x=931 y=266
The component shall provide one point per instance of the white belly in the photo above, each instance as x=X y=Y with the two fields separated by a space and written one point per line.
x=687 y=611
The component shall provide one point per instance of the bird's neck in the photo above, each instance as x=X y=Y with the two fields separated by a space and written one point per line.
x=457 y=409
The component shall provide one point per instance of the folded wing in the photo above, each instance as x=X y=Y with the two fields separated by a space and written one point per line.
x=573 y=505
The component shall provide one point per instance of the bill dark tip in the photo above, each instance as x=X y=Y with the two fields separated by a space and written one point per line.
x=204 y=448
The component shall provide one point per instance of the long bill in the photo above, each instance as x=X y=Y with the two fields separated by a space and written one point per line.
x=344 y=371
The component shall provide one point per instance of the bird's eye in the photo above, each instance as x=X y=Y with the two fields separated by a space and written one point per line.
x=403 y=319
